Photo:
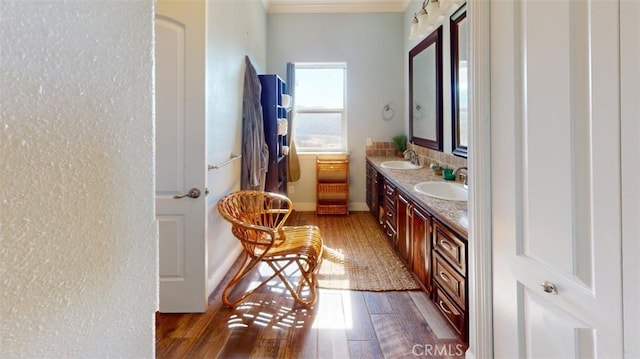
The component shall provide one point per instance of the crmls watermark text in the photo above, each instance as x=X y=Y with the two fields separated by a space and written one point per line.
x=436 y=350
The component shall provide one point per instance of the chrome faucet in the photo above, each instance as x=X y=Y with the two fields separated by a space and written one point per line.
x=413 y=156
x=466 y=174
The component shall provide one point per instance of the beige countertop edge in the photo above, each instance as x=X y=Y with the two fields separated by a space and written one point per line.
x=454 y=214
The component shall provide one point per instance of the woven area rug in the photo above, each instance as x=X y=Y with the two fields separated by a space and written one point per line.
x=357 y=255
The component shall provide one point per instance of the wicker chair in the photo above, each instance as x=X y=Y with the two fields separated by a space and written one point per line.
x=257 y=220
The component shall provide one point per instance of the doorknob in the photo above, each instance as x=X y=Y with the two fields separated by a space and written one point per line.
x=549 y=287
x=193 y=193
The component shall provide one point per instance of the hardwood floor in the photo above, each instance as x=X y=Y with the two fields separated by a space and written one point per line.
x=342 y=324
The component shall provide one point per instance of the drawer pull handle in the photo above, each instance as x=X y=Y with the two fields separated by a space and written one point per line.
x=389 y=234
x=389 y=214
x=444 y=276
x=441 y=305
x=446 y=245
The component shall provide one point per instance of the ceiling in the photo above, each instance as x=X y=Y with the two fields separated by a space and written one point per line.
x=334 y=6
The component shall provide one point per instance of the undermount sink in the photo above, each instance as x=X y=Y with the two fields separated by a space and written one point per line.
x=400 y=165
x=443 y=190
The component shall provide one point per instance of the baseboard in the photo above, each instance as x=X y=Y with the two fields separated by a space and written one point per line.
x=214 y=280
x=311 y=206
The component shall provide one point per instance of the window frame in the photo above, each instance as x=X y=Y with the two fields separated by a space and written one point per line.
x=343 y=111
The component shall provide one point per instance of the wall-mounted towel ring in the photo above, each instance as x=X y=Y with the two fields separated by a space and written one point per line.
x=388 y=112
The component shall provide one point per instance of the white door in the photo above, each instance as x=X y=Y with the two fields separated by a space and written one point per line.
x=556 y=179
x=180 y=155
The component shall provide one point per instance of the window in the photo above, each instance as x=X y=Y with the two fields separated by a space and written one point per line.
x=320 y=116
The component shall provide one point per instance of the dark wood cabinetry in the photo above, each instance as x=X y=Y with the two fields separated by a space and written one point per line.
x=420 y=232
x=374 y=191
x=272 y=110
x=449 y=275
x=389 y=212
x=414 y=238
x=403 y=241
x=435 y=254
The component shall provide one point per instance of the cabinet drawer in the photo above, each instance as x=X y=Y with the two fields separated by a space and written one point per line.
x=390 y=192
x=390 y=215
x=450 y=246
x=449 y=279
x=390 y=232
x=454 y=315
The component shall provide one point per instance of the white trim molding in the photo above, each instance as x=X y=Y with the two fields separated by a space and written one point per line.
x=480 y=238
x=351 y=6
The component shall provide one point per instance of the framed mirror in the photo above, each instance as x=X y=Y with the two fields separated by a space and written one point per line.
x=425 y=92
x=459 y=82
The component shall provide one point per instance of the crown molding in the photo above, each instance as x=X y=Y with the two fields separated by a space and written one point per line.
x=334 y=6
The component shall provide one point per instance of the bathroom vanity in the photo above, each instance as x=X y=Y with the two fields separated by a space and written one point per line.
x=429 y=234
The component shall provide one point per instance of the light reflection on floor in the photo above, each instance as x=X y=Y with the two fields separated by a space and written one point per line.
x=271 y=313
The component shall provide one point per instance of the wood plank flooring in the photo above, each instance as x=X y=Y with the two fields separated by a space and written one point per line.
x=342 y=324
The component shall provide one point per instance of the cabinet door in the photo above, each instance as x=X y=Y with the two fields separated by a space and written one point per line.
x=402 y=214
x=421 y=245
x=369 y=170
x=375 y=193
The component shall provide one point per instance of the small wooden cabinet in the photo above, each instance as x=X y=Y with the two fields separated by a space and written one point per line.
x=332 y=176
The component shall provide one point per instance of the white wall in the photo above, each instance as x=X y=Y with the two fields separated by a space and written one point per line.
x=78 y=242
x=371 y=45
x=234 y=29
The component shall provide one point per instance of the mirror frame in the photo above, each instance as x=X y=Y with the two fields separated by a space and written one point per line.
x=434 y=39
x=457 y=149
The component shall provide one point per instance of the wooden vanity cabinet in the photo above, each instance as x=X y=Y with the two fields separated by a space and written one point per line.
x=389 y=213
x=403 y=240
x=420 y=231
x=414 y=238
x=374 y=191
x=449 y=276
x=435 y=254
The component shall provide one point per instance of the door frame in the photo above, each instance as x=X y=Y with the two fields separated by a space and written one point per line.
x=480 y=235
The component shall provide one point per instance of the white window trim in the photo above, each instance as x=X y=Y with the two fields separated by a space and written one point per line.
x=344 y=143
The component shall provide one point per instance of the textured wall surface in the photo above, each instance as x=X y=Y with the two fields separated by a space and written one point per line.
x=78 y=238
